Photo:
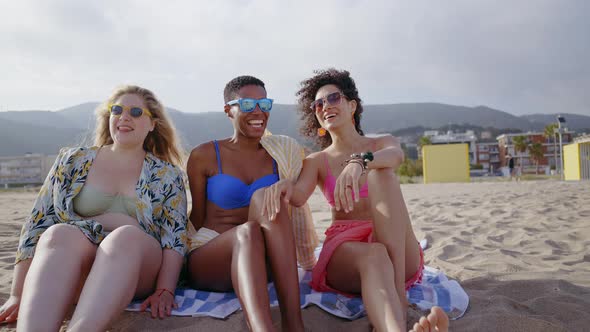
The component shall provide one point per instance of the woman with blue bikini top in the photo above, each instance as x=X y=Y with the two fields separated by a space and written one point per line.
x=232 y=242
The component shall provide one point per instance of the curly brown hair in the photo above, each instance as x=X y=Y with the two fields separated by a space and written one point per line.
x=306 y=95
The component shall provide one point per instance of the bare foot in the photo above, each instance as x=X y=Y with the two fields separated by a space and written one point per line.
x=437 y=321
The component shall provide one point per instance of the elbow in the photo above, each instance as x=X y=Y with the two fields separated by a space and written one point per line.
x=401 y=155
x=297 y=204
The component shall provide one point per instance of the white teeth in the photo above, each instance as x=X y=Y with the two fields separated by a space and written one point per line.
x=256 y=123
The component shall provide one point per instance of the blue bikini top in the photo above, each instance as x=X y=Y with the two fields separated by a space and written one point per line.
x=229 y=192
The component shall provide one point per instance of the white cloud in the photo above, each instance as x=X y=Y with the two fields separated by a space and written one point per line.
x=524 y=57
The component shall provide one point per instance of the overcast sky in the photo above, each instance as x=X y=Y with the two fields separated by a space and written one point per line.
x=517 y=56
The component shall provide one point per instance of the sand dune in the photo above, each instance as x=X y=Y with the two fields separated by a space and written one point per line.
x=520 y=250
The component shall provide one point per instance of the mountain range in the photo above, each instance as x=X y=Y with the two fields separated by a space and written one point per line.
x=46 y=131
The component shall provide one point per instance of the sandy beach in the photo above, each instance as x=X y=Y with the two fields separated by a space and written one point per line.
x=520 y=250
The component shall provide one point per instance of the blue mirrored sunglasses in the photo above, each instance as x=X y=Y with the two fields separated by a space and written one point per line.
x=248 y=105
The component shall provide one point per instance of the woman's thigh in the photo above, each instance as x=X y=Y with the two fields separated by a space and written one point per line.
x=209 y=266
x=349 y=260
x=136 y=245
x=76 y=247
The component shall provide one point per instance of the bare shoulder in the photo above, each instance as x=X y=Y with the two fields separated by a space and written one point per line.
x=314 y=157
x=201 y=156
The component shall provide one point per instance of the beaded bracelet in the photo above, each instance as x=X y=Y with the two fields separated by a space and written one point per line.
x=364 y=158
x=367 y=156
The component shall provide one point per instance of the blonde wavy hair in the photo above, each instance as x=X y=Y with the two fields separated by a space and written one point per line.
x=163 y=141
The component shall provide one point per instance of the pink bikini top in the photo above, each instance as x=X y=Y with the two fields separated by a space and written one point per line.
x=330 y=184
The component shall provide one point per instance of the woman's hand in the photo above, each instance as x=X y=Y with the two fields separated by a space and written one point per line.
x=272 y=197
x=347 y=184
x=161 y=303
x=9 y=310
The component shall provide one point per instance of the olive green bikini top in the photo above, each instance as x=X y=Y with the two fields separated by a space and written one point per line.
x=91 y=202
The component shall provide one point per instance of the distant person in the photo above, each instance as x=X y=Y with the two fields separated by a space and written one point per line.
x=108 y=225
x=370 y=248
x=511 y=166
x=234 y=247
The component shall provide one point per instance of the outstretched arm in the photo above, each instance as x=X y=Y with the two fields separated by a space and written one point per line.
x=161 y=302
x=388 y=153
x=294 y=192
x=197 y=180
x=9 y=310
x=173 y=239
x=307 y=181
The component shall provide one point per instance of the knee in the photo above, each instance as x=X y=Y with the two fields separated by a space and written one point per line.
x=381 y=174
x=381 y=178
x=249 y=233
x=257 y=200
x=126 y=239
x=60 y=236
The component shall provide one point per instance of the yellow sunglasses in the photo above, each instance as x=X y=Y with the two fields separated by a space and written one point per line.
x=134 y=111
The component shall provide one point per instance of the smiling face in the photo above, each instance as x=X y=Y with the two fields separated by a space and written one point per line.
x=334 y=116
x=126 y=130
x=252 y=124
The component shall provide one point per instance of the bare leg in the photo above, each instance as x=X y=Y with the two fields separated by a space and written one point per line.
x=127 y=263
x=437 y=321
x=392 y=226
x=357 y=267
x=236 y=259
x=280 y=245
x=62 y=260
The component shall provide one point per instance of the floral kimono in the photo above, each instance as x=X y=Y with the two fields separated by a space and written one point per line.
x=160 y=204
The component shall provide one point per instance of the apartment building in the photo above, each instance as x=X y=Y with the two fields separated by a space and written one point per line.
x=551 y=154
x=485 y=154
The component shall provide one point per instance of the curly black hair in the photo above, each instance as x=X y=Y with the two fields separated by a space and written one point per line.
x=306 y=95
x=232 y=87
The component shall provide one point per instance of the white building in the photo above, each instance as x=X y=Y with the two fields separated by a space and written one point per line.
x=26 y=169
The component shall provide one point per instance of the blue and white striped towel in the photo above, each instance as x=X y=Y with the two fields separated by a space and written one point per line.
x=435 y=289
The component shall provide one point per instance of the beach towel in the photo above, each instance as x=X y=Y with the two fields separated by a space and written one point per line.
x=434 y=290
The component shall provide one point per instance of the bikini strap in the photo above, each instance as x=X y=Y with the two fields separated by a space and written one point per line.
x=274 y=167
x=329 y=172
x=218 y=156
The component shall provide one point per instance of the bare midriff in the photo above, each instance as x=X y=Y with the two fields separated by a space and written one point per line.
x=221 y=220
x=110 y=221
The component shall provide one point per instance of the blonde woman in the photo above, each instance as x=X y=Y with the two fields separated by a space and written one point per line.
x=108 y=225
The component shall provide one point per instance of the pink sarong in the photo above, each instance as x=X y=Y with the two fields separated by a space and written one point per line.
x=349 y=231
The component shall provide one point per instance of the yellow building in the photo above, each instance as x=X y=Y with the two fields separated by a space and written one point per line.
x=445 y=163
x=576 y=159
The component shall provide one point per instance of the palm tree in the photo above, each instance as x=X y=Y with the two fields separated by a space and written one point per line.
x=424 y=140
x=549 y=133
x=520 y=146
x=536 y=151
